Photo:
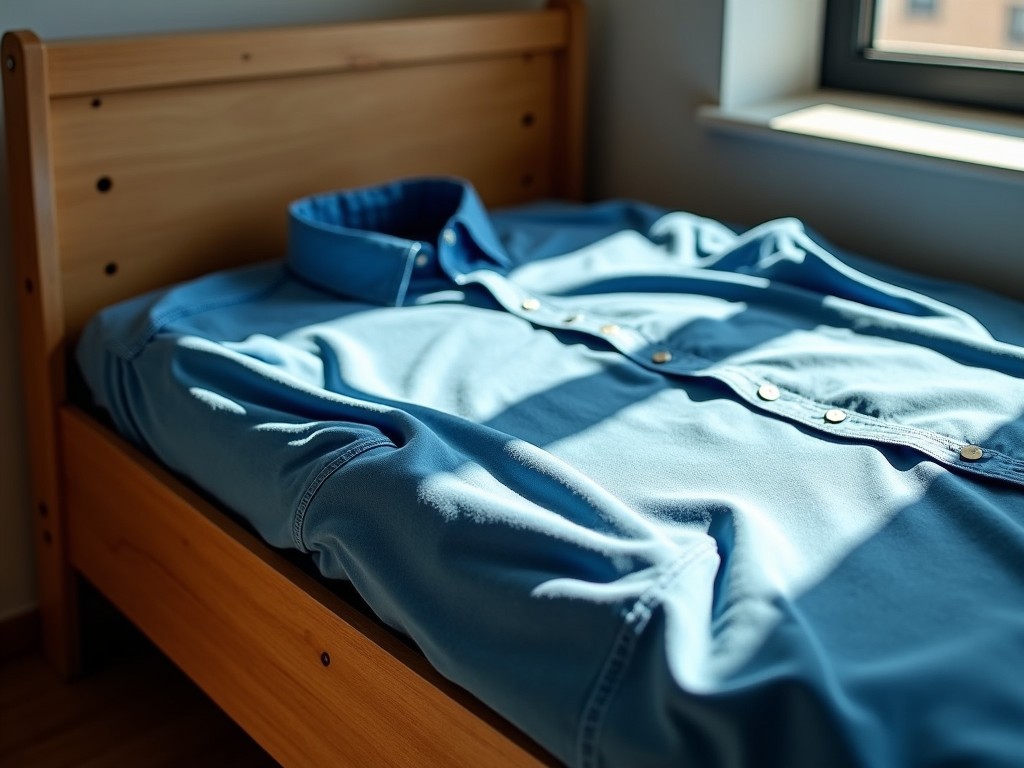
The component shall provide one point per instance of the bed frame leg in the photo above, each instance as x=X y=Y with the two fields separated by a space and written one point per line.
x=58 y=611
x=40 y=310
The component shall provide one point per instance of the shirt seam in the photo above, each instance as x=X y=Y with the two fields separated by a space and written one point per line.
x=914 y=437
x=299 y=519
x=156 y=323
x=613 y=670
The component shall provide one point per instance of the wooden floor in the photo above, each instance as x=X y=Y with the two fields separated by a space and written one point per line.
x=135 y=709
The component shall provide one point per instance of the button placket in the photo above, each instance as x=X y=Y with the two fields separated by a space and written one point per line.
x=860 y=427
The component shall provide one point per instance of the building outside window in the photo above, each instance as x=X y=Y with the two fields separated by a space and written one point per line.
x=967 y=51
x=1016 y=26
x=922 y=7
x=965 y=29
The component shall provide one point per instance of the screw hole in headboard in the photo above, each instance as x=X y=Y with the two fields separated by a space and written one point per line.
x=29 y=285
x=528 y=119
x=246 y=56
x=111 y=268
x=11 y=64
x=104 y=183
x=96 y=103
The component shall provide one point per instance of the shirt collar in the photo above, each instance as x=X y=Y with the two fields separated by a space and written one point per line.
x=370 y=244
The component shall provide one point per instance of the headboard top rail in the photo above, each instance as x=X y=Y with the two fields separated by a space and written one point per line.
x=102 y=66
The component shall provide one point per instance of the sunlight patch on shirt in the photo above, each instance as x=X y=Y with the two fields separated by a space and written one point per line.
x=216 y=401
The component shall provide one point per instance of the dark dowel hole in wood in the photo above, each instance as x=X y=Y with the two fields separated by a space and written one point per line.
x=110 y=268
x=104 y=183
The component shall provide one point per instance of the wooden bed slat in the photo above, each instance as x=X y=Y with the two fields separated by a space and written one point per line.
x=250 y=628
x=98 y=67
x=200 y=177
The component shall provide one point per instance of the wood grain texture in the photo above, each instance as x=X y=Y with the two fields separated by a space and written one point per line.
x=571 y=103
x=251 y=629
x=200 y=177
x=95 y=68
x=40 y=310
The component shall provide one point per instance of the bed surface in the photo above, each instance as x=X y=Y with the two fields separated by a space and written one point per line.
x=732 y=498
x=651 y=489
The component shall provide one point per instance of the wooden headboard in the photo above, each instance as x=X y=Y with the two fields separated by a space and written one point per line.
x=140 y=162
x=171 y=156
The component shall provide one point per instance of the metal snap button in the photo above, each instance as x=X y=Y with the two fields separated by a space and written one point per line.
x=835 y=416
x=971 y=453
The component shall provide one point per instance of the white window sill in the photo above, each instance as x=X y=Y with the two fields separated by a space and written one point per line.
x=938 y=137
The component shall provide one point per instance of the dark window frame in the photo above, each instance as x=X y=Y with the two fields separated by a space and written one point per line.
x=849 y=62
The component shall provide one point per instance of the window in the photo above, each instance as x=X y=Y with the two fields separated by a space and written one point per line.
x=1016 y=26
x=964 y=51
x=922 y=7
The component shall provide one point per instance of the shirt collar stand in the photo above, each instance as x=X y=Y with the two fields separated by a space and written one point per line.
x=364 y=243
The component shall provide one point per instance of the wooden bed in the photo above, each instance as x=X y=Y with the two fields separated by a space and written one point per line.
x=135 y=163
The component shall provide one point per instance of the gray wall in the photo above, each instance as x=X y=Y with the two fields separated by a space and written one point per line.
x=656 y=61
x=653 y=63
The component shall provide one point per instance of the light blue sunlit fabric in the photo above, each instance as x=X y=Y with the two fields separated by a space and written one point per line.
x=659 y=493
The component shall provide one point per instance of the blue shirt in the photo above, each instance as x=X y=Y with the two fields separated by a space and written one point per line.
x=658 y=492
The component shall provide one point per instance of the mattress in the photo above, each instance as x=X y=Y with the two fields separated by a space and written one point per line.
x=655 y=489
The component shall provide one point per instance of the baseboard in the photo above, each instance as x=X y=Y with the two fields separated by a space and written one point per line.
x=19 y=634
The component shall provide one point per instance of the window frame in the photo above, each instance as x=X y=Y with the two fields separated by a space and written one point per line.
x=850 y=63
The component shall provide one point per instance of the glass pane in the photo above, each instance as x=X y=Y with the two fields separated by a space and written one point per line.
x=982 y=30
